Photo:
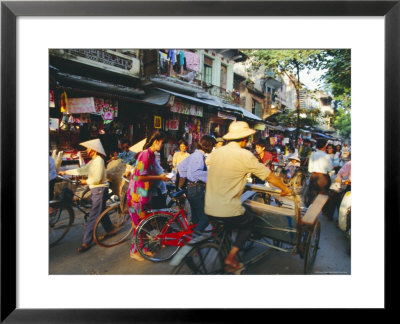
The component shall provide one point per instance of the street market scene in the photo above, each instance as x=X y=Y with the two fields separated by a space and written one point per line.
x=200 y=161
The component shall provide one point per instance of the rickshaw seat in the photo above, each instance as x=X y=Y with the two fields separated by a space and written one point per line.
x=314 y=210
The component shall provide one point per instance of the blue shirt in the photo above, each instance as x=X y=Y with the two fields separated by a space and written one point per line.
x=194 y=167
x=127 y=157
x=52 y=169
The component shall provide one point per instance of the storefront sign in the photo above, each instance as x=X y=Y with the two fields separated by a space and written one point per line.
x=186 y=109
x=260 y=127
x=226 y=116
x=81 y=105
x=173 y=124
x=157 y=122
x=53 y=124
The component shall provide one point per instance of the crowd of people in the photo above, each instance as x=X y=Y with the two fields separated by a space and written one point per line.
x=214 y=175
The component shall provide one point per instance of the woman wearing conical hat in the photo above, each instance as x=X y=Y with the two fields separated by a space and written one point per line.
x=96 y=179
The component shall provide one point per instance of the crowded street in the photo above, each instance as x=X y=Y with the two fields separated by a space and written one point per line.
x=203 y=161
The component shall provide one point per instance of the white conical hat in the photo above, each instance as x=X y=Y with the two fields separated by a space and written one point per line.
x=138 y=147
x=94 y=145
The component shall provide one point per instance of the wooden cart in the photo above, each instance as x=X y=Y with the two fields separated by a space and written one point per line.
x=283 y=224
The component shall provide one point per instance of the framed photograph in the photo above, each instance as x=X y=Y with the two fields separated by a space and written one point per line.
x=371 y=29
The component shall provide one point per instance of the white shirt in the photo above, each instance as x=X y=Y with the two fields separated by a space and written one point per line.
x=95 y=170
x=320 y=162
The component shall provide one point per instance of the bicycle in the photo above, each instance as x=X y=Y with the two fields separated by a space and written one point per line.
x=119 y=216
x=63 y=215
x=281 y=228
x=164 y=232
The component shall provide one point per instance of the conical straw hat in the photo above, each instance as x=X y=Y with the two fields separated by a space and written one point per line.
x=94 y=145
x=138 y=147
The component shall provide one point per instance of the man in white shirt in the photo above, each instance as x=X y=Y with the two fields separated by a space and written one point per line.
x=319 y=166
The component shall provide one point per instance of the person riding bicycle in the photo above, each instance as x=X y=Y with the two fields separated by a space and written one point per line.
x=96 y=172
x=229 y=166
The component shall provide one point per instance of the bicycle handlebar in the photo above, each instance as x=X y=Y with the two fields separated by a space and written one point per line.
x=67 y=179
x=263 y=188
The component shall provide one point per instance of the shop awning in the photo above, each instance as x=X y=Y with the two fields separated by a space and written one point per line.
x=216 y=103
x=80 y=82
x=324 y=135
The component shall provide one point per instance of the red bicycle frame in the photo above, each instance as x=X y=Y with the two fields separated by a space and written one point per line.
x=175 y=238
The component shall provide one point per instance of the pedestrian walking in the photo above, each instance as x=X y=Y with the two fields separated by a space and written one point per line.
x=179 y=157
x=96 y=179
x=143 y=176
x=227 y=177
x=195 y=169
x=319 y=166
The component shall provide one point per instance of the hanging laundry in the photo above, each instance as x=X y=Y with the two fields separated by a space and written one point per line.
x=182 y=58
x=192 y=61
x=172 y=56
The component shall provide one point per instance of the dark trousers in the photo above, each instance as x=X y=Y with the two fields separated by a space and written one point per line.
x=196 y=196
x=243 y=223
x=319 y=184
x=51 y=188
x=99 y=199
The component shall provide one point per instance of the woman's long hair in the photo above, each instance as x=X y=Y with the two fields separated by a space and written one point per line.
x=157 y=135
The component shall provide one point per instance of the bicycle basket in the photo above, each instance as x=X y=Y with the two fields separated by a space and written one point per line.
x=61 y=187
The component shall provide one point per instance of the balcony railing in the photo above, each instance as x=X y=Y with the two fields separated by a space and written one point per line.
x=101 y=58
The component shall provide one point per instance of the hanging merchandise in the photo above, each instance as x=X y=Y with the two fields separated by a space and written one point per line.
x=52 y=102
x=81 y=105
x=64 y=102
x=99 y=103
x=108 y=112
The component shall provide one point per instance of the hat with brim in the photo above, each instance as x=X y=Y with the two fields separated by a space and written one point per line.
x=138 y=147
x=293 y=157
x=94 y=145
x=238 y=130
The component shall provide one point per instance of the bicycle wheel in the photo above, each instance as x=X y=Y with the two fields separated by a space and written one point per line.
x=312 y=248
x=86 y=198
x=156 y=235
x=203 y=259
x=121 y=223
x=60 y=221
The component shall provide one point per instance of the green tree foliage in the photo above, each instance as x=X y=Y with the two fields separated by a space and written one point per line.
x=289 y=63
x=308 y=117
x=337 y=63
x=342 y=122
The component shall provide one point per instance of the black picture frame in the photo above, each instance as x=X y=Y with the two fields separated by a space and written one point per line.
x=10 y=10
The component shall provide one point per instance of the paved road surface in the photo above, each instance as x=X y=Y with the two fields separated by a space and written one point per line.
x=332 y=257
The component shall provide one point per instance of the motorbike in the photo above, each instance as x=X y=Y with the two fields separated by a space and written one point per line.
x=344 y=218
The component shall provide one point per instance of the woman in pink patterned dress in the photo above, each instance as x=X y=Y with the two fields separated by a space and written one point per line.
x=143 y=175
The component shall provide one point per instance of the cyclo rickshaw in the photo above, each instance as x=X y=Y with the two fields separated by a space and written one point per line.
x=281 y=224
